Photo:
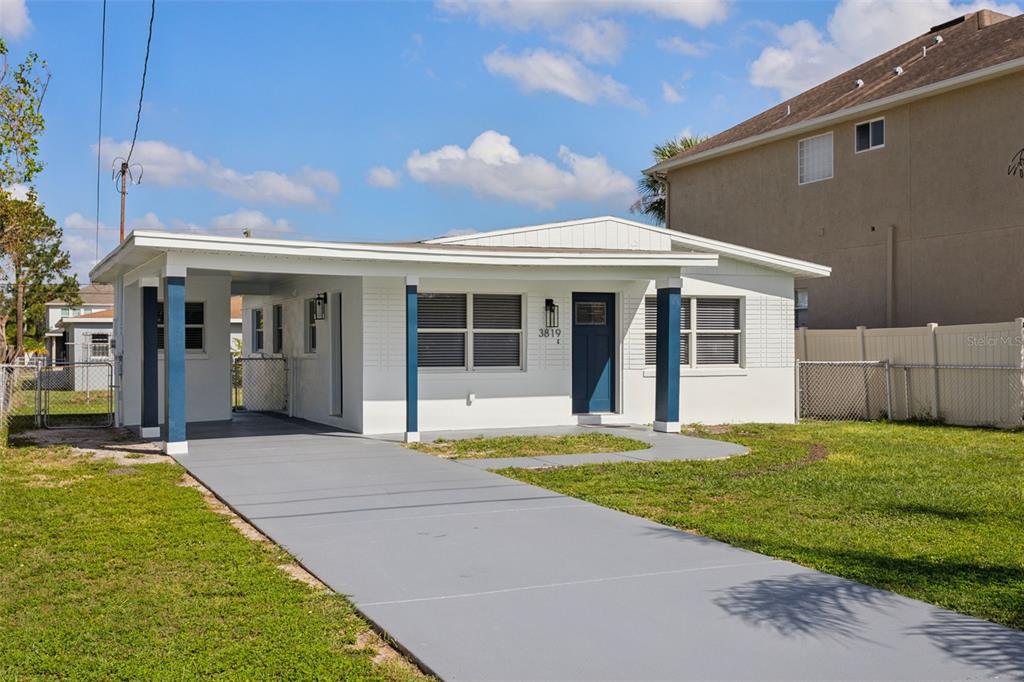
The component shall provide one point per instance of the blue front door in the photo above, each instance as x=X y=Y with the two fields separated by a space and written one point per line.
x=593 y=353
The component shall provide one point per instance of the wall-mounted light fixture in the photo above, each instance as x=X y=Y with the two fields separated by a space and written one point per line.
x=550 y=313
x=320 y=306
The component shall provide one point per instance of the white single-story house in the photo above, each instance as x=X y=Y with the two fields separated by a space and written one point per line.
x=557 y=324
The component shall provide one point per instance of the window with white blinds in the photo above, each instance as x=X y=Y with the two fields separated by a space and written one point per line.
x=715 y=338
x=470 y=331
x=651 y=329
x=195 y=326
x=814 y=158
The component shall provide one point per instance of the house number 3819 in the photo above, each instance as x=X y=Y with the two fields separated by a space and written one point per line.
x=548 y=333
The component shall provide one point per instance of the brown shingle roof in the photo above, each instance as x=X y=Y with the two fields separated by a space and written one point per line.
x=969 y=43
x=98 y=314
x=92 y=294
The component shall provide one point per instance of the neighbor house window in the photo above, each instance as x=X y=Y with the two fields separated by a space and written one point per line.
x=278 y=320
x=469 y=331
x=814 y=158
x=195 y=326
x=311 y=325
x=709 y=326
x=869 y=135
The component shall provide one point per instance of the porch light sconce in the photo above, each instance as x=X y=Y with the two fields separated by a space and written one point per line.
x=550 y=313
x=320 y=306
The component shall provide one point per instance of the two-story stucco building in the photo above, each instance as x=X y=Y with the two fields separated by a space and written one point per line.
x=899 y=173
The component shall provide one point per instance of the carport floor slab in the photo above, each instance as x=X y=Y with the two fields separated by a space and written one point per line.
x=483 y=578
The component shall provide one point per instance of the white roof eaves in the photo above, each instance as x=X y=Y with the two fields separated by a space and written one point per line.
x=766 y=259
x=173 y=242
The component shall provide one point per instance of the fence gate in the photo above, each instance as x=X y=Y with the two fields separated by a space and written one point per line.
x=259 y=384
x=78 y=395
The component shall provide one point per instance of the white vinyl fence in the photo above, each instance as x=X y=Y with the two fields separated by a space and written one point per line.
x=963 y=374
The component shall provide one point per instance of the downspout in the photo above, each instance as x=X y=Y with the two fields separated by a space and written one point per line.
x=890 y=276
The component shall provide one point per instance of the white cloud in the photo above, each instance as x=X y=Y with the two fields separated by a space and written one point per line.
x=856 y=31
x=80 y=232
x=14 y=21
x=520 y=15
x=541 y=70
x=18 y=191
x=166 y=165
x=598 y=41
x=677 y=45
x=670 y=94
x=247 y=218
x=460 y=232
x=381 y=176
x=493 y=167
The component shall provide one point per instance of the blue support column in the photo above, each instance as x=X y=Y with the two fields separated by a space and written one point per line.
x=412 y=363
x=666 y=383
x=174 y=362
x=150 y=365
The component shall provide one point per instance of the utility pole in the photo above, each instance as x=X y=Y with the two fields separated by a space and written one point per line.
x=124 y=193
x=124 y=175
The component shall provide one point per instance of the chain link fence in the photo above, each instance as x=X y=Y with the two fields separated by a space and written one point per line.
x=259 y=384
x=20 y=407
x=966 y=395
x=56 y=396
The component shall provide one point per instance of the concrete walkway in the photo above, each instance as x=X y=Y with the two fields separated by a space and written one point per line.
x=663 y=446
x=484 y=578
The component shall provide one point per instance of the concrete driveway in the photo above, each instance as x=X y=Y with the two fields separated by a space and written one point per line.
x=483 y=578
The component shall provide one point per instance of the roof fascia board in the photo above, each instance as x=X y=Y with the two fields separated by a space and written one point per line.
x=293 y=265
x=865 y=109
x=390 y=253
x=763 y=258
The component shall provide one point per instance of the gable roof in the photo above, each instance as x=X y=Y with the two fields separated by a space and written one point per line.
x=95 y=316
x=91 y=294
x=976 y=46
x=678 y=240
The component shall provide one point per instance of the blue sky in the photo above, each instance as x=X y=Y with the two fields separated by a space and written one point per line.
x=404 y=120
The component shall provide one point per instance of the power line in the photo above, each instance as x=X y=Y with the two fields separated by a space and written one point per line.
x=99 y=132
x=142 y=89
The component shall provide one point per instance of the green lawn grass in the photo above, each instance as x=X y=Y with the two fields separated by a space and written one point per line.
x=113 y=572
x=932 y=512
x=529 y=446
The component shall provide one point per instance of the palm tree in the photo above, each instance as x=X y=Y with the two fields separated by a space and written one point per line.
x=652 y=187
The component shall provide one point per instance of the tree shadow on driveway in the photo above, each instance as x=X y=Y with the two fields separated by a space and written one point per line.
x=996 y=649
x=812 y=605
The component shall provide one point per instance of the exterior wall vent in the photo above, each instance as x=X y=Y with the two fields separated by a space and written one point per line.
x=859 y=83
x=898 y=71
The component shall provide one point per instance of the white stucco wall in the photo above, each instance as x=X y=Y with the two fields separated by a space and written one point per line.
x=762 y=389
x=372 y=371
x=326 y=386
x=207 y=373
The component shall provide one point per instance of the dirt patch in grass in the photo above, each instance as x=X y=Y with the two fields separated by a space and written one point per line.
x=381 y=652
x=117 y=444
x=815 y=453
x=529 y=446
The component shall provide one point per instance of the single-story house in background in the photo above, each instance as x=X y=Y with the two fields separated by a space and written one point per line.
x=82 y=333
x=581 y=321
x=96 y=299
